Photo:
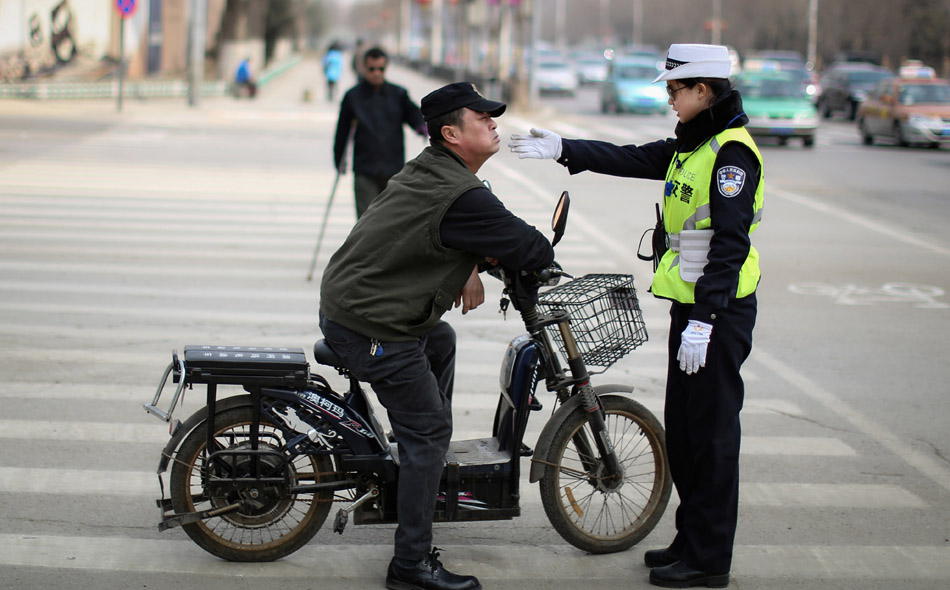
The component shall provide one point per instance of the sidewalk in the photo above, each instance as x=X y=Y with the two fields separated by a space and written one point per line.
x=280 y=102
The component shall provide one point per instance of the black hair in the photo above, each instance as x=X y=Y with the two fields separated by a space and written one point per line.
x=434 y=126
x=374 y=53
x=718 y=86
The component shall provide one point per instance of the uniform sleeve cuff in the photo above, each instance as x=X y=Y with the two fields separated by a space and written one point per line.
x=703 y=313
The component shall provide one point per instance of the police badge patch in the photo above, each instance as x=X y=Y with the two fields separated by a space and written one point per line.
x=730 y=180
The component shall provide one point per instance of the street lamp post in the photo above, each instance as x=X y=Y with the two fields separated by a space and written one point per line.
x=717 y=23
x=197 y=55
x=813 y=33
x=436 y=39
x=638 y=22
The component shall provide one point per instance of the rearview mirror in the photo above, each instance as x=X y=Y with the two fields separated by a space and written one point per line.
x=559 y=221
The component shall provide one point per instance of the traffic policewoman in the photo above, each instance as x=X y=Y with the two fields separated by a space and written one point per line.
x=712 y=202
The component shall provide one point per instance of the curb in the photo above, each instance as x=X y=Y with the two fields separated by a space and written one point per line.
x=141 y=90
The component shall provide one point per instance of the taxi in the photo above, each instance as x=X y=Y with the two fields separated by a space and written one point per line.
x=908 y=110
x=777 y=106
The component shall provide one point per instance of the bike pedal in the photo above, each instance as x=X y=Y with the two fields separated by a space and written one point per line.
x=339 y=523
x=525 y=450
x=534 y=405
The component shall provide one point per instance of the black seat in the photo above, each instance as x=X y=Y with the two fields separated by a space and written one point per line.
x=323 y=354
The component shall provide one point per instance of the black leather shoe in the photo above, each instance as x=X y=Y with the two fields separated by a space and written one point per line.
x=428 y=574
x=680 y=575
x=659 y=557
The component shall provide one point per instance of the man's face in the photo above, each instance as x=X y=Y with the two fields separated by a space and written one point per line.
x=477 y=135
x=375 y=70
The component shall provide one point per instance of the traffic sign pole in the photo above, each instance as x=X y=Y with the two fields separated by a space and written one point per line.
x=125 y=9
x=118 y=103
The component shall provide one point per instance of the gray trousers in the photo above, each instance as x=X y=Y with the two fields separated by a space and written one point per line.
x=365 y=189
x=413 y=381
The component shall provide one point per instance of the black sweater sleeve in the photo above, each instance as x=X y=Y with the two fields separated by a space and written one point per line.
x=343 y=124
x=411 y=115
x=731 y=219
x=649 y=160
x=479 y=223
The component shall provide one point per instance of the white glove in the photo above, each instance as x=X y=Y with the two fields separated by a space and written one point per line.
x=693 y=343
x=541 y=144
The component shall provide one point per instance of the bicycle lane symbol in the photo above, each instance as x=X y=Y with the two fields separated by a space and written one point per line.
x=921 y=296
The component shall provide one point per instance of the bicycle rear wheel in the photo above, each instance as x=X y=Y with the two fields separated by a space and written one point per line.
x=594 y=513
x=277 y=522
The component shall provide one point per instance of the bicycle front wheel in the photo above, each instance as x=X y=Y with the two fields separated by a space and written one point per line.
x=599 y=514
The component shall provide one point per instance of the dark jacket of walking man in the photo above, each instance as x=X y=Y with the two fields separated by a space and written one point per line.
x=376 y=110
x=385 y=290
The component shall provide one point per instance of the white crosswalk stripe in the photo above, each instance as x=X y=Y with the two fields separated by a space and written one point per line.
x=491 y=563
x=93 y=482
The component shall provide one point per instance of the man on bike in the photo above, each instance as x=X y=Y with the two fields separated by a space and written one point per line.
x=416 y=250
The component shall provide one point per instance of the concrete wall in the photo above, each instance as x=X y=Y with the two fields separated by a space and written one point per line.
x=43 y=35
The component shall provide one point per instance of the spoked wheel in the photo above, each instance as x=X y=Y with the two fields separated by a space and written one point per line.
x=599 y=514
x=271 y=522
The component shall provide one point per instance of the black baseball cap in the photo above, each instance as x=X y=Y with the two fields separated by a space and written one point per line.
x=455 y=96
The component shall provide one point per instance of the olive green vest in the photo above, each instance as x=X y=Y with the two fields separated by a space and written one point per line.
x=686 y=207
x=392 y=279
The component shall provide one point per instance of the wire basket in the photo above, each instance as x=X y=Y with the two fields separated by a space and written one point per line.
x=605 y=317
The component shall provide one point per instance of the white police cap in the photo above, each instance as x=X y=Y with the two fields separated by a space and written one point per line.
x=695 y=60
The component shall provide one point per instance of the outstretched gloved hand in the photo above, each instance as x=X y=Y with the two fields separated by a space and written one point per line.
x=541 y=144
x=693 y=344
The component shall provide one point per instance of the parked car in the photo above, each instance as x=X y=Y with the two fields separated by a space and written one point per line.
x=845 y=86
x=784 y=59
x=555 y=77
x=629 y=88
x=591 y=69
x=908 y=110
x=777 y=106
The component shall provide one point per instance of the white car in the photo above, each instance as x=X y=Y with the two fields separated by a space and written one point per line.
x=556 y=77
x=591 y=70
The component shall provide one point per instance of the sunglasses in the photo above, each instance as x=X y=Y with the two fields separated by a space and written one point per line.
x=376 y=69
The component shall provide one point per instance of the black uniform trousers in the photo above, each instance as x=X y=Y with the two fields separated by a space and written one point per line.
x=413 y=381
x=702 y=435
x=366 y=188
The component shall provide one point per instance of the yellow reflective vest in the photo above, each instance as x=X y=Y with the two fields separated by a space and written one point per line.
x=686 y=207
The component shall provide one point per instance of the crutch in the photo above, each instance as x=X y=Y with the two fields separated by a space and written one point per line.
x=326 y=214
x=323 y=227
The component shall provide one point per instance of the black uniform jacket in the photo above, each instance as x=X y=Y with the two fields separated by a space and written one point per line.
x=731 y=217
x=379 y=114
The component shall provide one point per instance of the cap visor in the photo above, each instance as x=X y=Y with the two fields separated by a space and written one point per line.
x=492 y=107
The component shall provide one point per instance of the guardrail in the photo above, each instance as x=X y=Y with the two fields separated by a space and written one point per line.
x=133 y=89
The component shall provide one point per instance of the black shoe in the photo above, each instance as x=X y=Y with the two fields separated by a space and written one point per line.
x=680 y=575
x=660 y=557
x=428 y=574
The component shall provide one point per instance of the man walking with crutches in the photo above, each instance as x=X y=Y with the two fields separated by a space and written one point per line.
x=378 y=109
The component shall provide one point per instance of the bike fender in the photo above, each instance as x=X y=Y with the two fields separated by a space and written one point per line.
x=195 y=420
x=547 y=433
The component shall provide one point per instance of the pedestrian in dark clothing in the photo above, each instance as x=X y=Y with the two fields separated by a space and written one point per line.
x=384 y=292
x=376 y=110
x=712 y=202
